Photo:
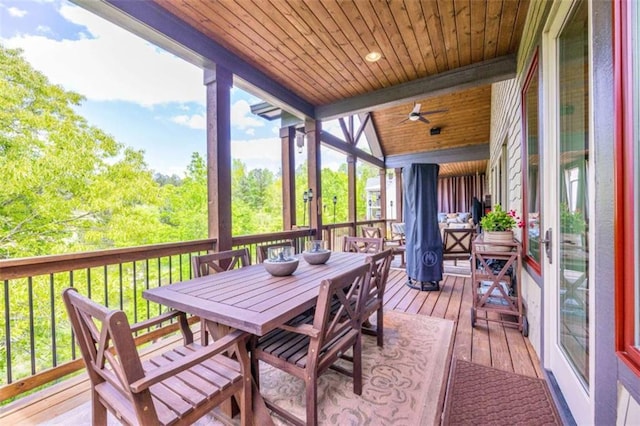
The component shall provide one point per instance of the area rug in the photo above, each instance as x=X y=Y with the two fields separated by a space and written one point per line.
x=481 y=395
x=403 y=383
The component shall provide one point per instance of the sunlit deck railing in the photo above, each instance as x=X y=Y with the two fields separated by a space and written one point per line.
x=36 y=344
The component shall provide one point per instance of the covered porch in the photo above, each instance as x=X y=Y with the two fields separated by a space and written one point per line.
x=489 y=343
x=436 y=56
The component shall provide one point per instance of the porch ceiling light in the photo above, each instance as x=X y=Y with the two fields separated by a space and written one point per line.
x=300 y=142
x=373 y=56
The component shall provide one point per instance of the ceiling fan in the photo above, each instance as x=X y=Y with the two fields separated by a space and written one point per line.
x=416 y=115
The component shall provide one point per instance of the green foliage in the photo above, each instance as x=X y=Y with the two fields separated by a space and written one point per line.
x=571 y=222
x=64 y=180
x=498 y=220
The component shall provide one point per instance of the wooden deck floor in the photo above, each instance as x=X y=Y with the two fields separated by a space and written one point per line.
x=489 y=344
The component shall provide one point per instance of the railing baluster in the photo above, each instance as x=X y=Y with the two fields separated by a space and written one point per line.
x=73 y=340
x=121 y=286
x=89 y=283
x=7 y=330
x=146 y=281
x=159 y=283
x=52 y=302
x=32 y=339
x=106 y=287
x=135 y=292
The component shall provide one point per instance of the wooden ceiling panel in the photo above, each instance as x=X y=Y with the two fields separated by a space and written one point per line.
x=465 y=123
x=315 y=49
x=463 y=168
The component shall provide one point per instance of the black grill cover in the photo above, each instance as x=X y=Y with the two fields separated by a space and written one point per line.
x=423 y=240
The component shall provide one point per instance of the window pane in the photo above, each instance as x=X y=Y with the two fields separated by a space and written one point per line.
x=573 y=155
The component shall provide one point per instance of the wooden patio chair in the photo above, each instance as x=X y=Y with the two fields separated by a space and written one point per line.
x=221 y=261
x=456 y=244
x=371 y=232
x=307 y=349
x=177 y=387
x=263 y=251
x=362 y=245
x=213 y=263
x=380 y=264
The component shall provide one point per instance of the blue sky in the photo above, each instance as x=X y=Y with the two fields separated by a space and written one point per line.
x=143 y=96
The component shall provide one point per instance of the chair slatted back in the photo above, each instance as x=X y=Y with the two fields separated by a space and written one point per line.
x=221 y=261
x=458 y=241
x=371 y=232
x=107 y=346
x=380 y=264
x=362 y=245
x=339 y=307
x=263 y=251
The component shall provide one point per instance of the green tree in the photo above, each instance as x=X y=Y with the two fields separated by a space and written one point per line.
x=63 y=180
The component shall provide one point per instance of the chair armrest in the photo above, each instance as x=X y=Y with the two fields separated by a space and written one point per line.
x=198 y=356
x=155 y=320
x=306 y=329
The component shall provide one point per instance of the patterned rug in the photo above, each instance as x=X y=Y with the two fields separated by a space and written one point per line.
x=481 y=395
x=403 y=383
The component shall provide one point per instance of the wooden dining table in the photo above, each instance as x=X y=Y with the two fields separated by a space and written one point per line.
x=252 y=300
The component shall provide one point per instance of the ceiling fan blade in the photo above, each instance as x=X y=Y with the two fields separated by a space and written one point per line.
x=406 y=119
x=416 y=109
x=435 y=111
x=424 y=120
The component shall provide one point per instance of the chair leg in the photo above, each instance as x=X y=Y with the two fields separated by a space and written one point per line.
x=204 y=333
x=357 y=366
x=98 y=411
x=311 y=385
x=380 y=327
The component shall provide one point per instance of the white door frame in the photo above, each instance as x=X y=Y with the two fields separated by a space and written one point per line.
x=579 y=399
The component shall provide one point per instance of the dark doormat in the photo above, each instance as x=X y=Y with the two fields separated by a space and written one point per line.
x=480 y=395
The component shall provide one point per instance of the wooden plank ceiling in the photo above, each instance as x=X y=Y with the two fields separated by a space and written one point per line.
x=317 y=50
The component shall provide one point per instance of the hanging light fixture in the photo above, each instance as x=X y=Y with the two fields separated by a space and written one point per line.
x=300 y=141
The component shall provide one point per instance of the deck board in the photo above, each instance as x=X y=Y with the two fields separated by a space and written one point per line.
x=491 y=344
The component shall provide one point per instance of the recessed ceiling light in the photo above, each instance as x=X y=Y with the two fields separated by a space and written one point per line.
x=373 y=56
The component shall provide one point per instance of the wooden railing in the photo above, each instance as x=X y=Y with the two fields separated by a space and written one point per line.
x=37 y=347
x=335 y=231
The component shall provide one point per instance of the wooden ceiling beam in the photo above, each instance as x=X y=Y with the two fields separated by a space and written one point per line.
x=336 y=143
x=467 y=77
x=153 y=23
x=441 y=156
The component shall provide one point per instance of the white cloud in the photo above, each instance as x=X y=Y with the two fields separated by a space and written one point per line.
x=44 y=29
x=108 y=63
x=241 y=116
x=16 y=13
x=251 y=131
x=258 y=153
x=196 y=121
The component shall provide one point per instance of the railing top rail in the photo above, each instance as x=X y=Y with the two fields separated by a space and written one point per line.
x=39 y=265
x=263 y=238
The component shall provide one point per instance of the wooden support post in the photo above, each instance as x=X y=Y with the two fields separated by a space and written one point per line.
x=312 y=129
x=383 y=195
x=219 y=82
x=351 y=172
x=288 y=137
x=399 y=195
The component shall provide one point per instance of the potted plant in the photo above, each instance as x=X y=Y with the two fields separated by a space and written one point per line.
x=497 y=227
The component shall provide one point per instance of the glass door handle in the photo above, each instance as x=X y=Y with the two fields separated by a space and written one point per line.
x=547 y=244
